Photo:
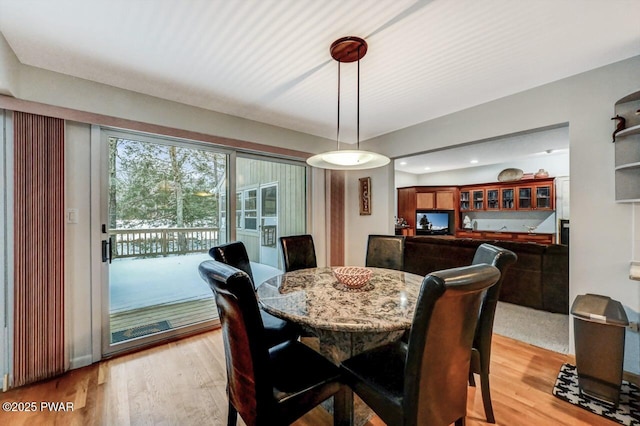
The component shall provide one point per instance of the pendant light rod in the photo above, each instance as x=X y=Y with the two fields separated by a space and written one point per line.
x=338 y=130
x=358 y=105
x=348 y=49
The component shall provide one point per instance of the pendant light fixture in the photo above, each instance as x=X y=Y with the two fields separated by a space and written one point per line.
x=348 y=49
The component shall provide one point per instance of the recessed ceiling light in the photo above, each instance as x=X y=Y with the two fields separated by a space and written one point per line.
x=427 y=168
x=474 y=161
x=403 y=163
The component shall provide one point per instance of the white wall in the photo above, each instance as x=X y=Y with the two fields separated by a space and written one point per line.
x=555 y=164
x=601 y=229
x=78 y=243
x=8 y=68
x=358 y=228
x=51 y=88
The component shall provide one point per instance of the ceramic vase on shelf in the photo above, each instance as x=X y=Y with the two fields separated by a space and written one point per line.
x=541 y=174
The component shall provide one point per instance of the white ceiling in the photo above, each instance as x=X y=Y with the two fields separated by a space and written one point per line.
x=268 y=60
x=542 y=143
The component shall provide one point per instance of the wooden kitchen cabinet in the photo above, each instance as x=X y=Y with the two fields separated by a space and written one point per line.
x=445 y=200
x=465 y=200
x=507 y=198
x=493 y=198
x=477 y=198
x=474 y=199
x=426 y=200
x=435 y=199
x=535 y=196
x=407 y=205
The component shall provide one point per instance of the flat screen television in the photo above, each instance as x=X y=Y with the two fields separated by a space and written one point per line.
x=434 y=222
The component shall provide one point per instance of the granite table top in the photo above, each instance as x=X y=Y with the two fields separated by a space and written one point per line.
x=314 y=298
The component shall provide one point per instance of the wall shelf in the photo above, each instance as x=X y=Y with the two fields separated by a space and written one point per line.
x=628 y=166
x=627 y=151
x=628 y=131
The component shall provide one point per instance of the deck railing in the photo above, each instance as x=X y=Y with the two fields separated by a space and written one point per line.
x=162 y=242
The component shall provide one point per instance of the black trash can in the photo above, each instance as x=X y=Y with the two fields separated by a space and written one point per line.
x=599 y=327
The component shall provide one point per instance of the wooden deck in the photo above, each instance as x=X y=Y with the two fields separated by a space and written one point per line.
x=176 y=314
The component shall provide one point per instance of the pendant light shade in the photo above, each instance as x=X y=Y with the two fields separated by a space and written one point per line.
x=348 y=159
x=348 y=49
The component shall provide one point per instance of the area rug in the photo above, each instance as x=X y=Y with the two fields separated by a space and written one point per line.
x=143 y=330
x=627 y=413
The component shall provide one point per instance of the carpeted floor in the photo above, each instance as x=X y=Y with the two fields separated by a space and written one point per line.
x=539 y=328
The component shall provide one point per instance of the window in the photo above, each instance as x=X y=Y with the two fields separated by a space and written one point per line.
x=247 y=209
x=270 y=201
x=239 y=210
x=250 y=209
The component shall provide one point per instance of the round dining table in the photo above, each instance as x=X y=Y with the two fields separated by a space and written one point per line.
x=346 y=321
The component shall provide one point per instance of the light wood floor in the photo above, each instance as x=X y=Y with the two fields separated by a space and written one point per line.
x=183 y=383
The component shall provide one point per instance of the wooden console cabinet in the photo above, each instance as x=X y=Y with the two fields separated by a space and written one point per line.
x=416 y=198
x=523 y=195
x=507 y=236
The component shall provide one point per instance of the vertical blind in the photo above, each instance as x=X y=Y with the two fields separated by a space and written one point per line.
x=38 y=247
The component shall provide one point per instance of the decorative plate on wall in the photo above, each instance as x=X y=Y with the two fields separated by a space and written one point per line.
x=508 y=175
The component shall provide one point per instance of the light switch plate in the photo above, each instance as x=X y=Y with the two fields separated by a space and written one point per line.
x=72 y=215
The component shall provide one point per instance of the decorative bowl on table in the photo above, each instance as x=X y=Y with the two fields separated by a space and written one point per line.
x=352 y=276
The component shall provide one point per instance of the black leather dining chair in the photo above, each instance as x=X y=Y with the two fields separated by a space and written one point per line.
x=424 y=382
x=298 y=252
x=266 y=386
x=481 y=352
x=276 y=330
x=385 y=251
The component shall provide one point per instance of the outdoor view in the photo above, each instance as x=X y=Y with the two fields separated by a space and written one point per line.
x=165 y=213
x=167 y=206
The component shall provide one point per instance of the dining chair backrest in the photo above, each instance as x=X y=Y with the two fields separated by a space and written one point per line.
x=385 y=251
x=502 y=259
x=298 y=252
x=439 y=348
x=233 y=254
x=481 y=351
x=266 y=385
x=246 y=352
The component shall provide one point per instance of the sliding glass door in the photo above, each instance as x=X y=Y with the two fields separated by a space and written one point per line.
x=164 y=208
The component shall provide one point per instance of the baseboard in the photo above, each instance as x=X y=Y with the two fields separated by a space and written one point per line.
x=631 y=378
x=626 y=375
x=81 y=361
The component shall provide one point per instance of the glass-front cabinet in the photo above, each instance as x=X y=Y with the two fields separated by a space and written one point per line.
x=524 y=200
x=522 y=195
x=464 y=201
x=539 y=197
x=543 y=197
x=493 y=199
x=508 y=199
x=478 y=199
